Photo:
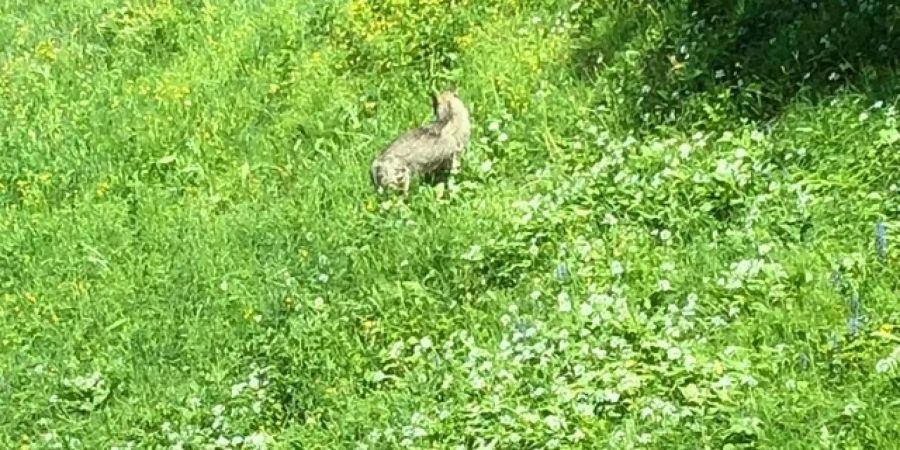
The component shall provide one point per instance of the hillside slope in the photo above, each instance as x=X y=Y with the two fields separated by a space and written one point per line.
x=676 y=226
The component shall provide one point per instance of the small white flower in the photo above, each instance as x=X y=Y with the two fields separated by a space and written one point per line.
x=723 y=168
x=218 y=410
x=425 y=343
x=673 y=353
x=237 y=389
x=577 y=436
x=586 y=309
x=878 y=104
x=852 y=408
x=757 y=136
x=610 y=219
x=885 y=365
x=740 y=153
x=584 y=409
x=257 y=441
x=553 y=422
x=665 y=235
x=378 y=376
x=689 y=361
x=720 y=73
x=664 y=285
x=486 y=166
x=611 y=396
x=318 y=303
x=748 y=380
x=616 y=268
x=565 y=304
x=494 y=126
x=724 y=383
x=502 y=137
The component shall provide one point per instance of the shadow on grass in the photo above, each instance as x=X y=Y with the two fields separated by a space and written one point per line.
x=700 y=61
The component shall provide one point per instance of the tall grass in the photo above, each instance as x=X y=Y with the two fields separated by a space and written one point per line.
x=675 y=226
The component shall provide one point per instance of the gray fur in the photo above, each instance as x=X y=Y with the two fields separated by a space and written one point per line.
x=435 y=147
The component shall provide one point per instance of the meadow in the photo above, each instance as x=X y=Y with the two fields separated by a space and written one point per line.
x=677 y=225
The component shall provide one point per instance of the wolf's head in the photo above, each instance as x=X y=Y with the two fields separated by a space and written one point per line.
x=446 y=103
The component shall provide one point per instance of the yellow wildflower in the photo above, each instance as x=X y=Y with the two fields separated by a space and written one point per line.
x=718 y=368
x=102 y=188
x=464 y=41
x=46 y=50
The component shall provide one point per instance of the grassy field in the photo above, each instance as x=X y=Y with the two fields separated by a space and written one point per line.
x=676 y=226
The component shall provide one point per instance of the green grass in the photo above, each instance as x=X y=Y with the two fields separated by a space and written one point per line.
x=664 y=217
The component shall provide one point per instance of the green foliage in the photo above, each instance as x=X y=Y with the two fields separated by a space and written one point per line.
x=676 y=226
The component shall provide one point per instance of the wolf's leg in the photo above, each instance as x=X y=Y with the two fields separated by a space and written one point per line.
x=404 y=183
x=455 y=163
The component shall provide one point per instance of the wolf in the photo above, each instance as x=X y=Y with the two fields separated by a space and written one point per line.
x=436 y=147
